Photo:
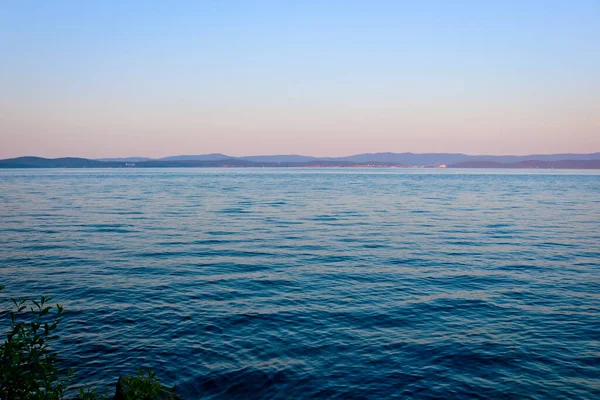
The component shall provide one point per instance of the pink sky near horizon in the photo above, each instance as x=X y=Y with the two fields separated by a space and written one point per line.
x=97 y=130
x=124 y=79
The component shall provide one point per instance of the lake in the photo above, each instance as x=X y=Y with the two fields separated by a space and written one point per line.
x=316 y=283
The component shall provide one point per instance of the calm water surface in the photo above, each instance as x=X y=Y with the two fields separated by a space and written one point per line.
x=334 y=283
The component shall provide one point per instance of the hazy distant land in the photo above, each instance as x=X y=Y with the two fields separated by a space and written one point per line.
x=367 y=160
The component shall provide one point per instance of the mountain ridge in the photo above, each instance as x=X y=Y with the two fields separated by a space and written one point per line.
x=74 y=162
x=406 y=158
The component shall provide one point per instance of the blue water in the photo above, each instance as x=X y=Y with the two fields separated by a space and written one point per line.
x=309 y=283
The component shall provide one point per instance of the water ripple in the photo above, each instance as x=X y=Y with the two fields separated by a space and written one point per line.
x=286 y=283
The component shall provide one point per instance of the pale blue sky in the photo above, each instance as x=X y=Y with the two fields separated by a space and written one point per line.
x=321 y=78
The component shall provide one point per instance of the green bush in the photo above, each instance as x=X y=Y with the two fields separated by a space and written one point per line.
x=28 y=366
x=89 y=393
x=143 y=386
x=29 y=369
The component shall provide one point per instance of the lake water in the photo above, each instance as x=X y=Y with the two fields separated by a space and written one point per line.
x=316 y=283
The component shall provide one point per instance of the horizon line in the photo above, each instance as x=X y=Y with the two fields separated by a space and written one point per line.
x=304 y=155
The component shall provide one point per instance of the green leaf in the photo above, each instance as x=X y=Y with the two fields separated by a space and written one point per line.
x=44 y=311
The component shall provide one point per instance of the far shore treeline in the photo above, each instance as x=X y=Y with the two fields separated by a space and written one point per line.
x=371 y=160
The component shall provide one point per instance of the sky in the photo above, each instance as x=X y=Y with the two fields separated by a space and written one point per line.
x=322 y=78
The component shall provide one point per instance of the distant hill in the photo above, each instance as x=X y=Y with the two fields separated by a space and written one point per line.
x=125 y=159
x=583 y=161
x=174 y=163
x=67 y=162
x=38 y=162
x=407 y=158
x=559 y=164
x=453 y=158
x=537 y=157
x=280 y=158
x=200 y=157
x=423 y=159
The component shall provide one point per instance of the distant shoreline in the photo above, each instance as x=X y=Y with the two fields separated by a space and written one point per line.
x=70 y=162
